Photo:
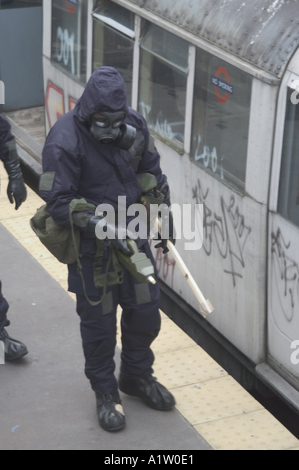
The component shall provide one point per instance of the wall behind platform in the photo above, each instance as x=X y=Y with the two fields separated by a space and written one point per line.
x=21 y=57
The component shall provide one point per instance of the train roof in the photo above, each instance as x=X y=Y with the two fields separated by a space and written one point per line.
x=264 y=33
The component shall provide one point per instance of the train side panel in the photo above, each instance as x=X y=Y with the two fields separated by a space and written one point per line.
x=230 y=268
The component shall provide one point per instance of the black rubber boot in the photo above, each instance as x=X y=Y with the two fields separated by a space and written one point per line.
x=13 y=349
x=149 y=390
x=110 y=411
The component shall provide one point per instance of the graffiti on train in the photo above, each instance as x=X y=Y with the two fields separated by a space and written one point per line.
x=286 y=274
x=54 y=102
x=66 y=51
x=225 y=231
x=161 y=126
x=165 y=264
x=209 y=157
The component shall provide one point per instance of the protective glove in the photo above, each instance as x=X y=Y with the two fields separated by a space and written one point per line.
x=118 y=243
x=16 y=190
x=163 y=243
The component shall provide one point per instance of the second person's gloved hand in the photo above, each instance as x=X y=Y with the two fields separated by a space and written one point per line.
x=16 y=189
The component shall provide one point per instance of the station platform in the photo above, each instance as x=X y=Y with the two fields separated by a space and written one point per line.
x=46 y=402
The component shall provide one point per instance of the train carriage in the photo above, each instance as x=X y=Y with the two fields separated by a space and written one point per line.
x=218 y=83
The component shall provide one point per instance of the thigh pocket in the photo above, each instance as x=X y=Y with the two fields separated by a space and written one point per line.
x=107 y=303
x=142 y=292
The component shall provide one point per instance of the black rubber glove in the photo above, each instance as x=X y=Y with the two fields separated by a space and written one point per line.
x=163 y=243
x=118 y=243
x=16 y=190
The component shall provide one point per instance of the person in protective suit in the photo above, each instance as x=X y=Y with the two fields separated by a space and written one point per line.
x=96 y=152
x=16 y=192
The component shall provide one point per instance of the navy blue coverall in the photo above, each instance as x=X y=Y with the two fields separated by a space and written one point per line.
x=76 y=165
x=5 y=136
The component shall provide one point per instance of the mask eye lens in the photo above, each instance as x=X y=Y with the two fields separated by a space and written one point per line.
x=101 y=120
x=118 y=122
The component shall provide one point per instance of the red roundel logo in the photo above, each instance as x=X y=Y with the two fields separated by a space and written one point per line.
x=222 y=85
x=70 y=9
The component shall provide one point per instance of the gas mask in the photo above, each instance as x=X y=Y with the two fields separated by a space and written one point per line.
x=109 y=128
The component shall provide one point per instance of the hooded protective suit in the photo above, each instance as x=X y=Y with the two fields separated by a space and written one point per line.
x=76 y=166
x=5 y=136
x=16 y=191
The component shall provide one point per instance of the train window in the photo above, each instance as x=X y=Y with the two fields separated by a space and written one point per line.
x=163 y=83
x=5 y=4
x=113 y=40
x=222 y=98
x=69 y=36
x=288 y=205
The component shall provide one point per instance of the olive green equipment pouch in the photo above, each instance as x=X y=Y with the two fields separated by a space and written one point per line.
x=63 y=242
x=57 y=239
x=108 y=278
x=60 y=241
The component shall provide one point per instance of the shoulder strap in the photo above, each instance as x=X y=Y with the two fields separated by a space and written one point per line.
x=79 y=205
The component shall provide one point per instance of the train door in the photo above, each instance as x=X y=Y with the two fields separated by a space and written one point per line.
x=283 y=264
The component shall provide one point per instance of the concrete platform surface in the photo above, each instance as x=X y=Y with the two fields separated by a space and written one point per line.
x=45 y=400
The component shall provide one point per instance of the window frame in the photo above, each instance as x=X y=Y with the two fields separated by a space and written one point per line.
x=288 y=212
x=227 y=182
x=126 y=32
x=142 y=27
x=278 y=140
x=77 y=76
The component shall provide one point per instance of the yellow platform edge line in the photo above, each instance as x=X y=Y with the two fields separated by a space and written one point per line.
x=214 y=404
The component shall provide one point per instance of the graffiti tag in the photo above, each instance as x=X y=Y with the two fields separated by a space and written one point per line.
x=66 y=52
x=208 y=158
x=54 y=103
x=160 y=125
x=226 y=231
x=165 y=265
x=286 y=272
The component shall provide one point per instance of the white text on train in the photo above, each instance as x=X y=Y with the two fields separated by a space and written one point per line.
x=295 y=354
